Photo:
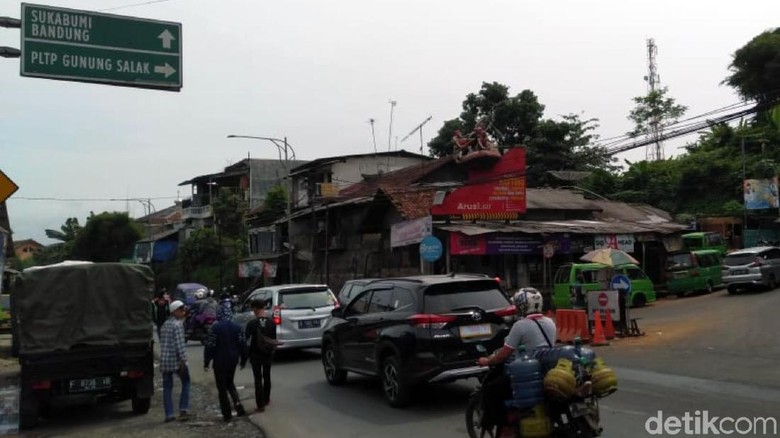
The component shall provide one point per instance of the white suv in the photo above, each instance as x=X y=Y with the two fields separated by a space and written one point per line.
x=751 y=267
x=300 y=312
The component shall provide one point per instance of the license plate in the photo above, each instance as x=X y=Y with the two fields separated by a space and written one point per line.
x=309 y=323
x=473 y=331
x=739 y=272
x=87 y=385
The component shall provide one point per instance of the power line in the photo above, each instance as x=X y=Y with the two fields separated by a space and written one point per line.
x=141 y=198
x=133 y=5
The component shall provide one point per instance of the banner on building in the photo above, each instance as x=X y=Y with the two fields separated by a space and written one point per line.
x=257 y=268
x=410 y=232
x=760 y=193
x=494 y=193
x=495 y=243
x=623 y=242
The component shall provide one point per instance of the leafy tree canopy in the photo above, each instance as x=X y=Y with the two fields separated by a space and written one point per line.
x=106 y=237
x=755 y=69
x=517 y=120
x=654 y=109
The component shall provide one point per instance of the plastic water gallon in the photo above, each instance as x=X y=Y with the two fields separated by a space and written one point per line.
x=603 y=378
x=525 y=375
x=560 y=383
x=551 y=357
x=537 y=425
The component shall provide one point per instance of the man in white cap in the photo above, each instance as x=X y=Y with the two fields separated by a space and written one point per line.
x=173 y=359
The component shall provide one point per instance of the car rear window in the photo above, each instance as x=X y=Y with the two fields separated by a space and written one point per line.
x=306 y=298
x=677 y=261
x=449 y=297
x=739 y=259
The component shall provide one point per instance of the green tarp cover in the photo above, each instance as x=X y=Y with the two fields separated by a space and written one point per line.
x=65 y=307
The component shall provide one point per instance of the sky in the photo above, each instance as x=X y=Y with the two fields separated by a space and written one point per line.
x=316 y=71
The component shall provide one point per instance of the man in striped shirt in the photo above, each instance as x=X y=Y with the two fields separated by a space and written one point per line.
x=173 y=359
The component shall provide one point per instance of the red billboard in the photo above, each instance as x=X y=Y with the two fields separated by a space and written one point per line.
x=497 y=192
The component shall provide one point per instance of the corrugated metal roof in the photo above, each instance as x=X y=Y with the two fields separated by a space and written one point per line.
x=571 y=226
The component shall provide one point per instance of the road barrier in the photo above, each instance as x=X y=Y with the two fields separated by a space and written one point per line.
x=571 y=324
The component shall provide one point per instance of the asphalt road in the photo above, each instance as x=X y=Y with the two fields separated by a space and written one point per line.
x=716 y=353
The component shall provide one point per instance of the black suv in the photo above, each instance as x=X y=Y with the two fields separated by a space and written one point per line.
x=414 y=330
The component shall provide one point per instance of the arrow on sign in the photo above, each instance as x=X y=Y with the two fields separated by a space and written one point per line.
x=166 y=38
x=166 y=69
x=621 y=284
x=7 y=187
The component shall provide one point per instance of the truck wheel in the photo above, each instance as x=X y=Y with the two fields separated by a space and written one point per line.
x=141 y=405
x=28 y=410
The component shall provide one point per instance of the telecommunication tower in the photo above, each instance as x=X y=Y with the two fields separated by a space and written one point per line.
x=653 y=151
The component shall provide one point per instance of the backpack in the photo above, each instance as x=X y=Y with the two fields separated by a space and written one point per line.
x=261 y=340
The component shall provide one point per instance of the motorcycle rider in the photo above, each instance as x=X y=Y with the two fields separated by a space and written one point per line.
x=534 y=331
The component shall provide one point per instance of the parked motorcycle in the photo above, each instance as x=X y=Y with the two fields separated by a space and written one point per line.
x=564 y=414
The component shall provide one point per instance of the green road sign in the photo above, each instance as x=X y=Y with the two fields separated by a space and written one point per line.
x=85 y=46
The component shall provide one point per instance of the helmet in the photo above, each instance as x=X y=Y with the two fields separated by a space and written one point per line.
x=200 y=294
x=528 y=300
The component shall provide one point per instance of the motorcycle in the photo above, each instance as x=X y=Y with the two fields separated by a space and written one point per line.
x=196 y=330
x=574 y=417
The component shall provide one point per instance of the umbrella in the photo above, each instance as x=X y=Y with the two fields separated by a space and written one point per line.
x=609 y=257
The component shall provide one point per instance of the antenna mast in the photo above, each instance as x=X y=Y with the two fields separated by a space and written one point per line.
x=390 y=132
x=655 y=150
x=373 y=133
x=418 y=128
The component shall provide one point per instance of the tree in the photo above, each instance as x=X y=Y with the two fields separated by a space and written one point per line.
x=755 y=69
x=507 y=119
x=654 y=109
x=517 y=120
x=106 y=237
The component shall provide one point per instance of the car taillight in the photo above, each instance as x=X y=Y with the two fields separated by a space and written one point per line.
x=758 y=261
x=277 y=315
x=132 y=374
x=430 y=320
x=43 y=384
x=508 y=313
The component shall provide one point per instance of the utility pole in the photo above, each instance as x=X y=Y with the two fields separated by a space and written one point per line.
x=655 y=150
x=373 y=133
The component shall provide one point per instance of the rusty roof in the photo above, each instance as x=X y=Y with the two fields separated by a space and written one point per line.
x=397 y=179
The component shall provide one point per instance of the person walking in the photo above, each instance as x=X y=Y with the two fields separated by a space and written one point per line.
x=173 y=359
x=225 y=345
x=161 y=310
x=261 y=333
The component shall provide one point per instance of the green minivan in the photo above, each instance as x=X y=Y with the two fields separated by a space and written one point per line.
x=689 y=271
x=596 y=276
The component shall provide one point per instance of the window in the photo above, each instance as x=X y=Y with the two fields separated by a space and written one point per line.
x=381 y=301
x=773 y=254
x=562 y=275
x=714 y=239
x=403 y=300
x=308 y=298
x=262 y=295
x=635 y=274
x=359 y=306
x=450 y=297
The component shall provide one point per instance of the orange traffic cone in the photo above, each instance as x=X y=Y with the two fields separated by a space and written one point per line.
x=598 y=331
x=609 y=329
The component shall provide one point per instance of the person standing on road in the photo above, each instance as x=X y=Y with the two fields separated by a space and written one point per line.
x=261 y=333
x=161 y=310
x=225 y=345
x=173 y=359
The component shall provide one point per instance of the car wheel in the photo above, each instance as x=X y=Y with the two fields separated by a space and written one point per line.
x=710 y=287
x=639 y=300
x=732 y=289
x=141 y=405
x=29 y=409
x=772 y=283
x=397 y=392
x=333 y=374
